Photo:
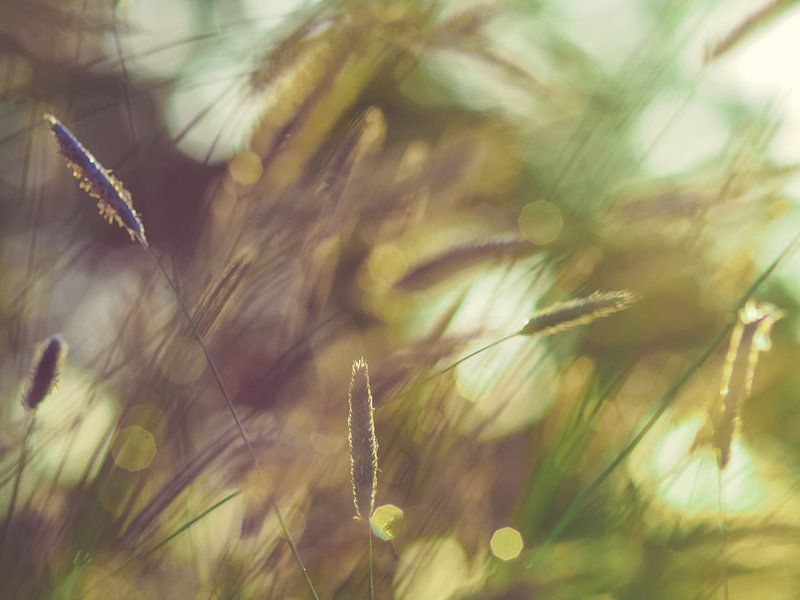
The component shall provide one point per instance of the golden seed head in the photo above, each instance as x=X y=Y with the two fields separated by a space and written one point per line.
x=580 y=311
x=363 y=441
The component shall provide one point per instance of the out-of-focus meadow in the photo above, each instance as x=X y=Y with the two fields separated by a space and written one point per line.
x=408 y=181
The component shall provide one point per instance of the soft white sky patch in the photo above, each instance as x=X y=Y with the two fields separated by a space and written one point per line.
x=140 y=34
x=503 y=389
x=268 y=13
x=676 y=135
x=217 y=109
x=763 y=70
x=609 y=30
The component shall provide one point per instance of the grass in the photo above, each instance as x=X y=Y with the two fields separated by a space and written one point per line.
x=410 y=182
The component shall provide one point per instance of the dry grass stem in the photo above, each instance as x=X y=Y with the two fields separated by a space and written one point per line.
x=747 y=27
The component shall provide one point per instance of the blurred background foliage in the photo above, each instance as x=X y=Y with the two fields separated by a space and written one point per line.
x=407 y=180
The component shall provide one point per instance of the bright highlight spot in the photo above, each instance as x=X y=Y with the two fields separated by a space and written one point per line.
x=680 y=136
x=133 y=449
x=506 y=543
x=383 y=520
x=541 y=222
x=386 y=264
x=245 y=168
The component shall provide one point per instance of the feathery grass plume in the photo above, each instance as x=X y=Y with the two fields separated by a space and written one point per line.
x=113 y=200
x=750 y=337
x=362 y=440
x=461 y=257
x=221 y=291
x=308 y=24
x=580 y=311
x=324 y=82
x=44 y=375
x=362 y=139
x=750 y=24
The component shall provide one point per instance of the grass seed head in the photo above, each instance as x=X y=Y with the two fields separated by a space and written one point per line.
x=47 y=365
x=750 y=337
x=220 y=294
x=113 y=200
x=363 y=441
x=580 y=311
x=462 y=257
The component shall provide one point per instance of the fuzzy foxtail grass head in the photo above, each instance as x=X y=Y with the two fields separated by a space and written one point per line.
x=750 y=337
x=113 y=200
x=580 y=311
x=47 y=365
x=363 y=441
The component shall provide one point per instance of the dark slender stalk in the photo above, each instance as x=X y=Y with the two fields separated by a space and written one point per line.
x=235 y=414
x=371 y=582
x=23 y=455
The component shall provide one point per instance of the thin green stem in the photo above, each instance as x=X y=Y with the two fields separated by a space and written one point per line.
x=452 y=366
x=662 y=405
x=181 y=529
x=167 y=539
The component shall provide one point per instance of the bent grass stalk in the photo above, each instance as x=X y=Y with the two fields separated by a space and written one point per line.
x=115 y=204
